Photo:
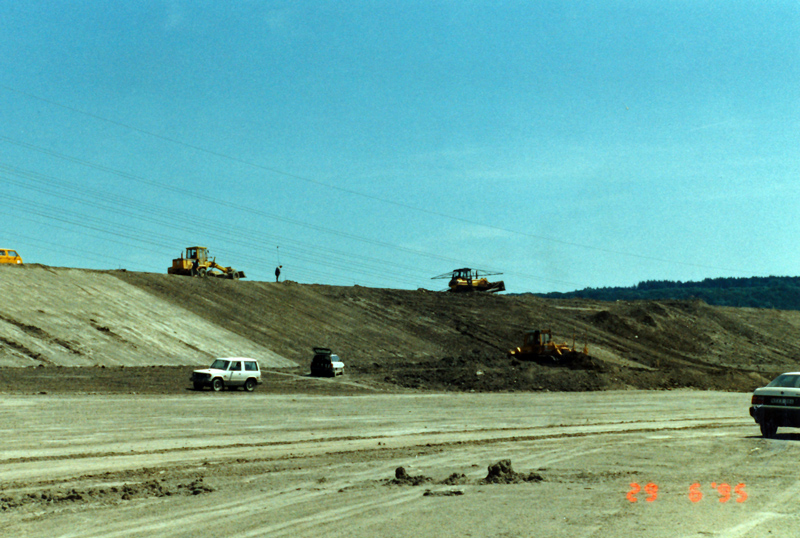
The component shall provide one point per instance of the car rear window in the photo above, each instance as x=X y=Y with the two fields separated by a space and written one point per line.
x=251 y=366
x=786 y=381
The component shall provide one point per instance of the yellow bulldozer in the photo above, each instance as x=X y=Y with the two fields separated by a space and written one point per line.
x=468 y=280
x=538 y=345
x=196 y=263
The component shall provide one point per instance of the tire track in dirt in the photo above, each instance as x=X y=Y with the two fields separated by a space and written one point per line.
x=196 y=520
x=438 y=438
x=770 y=512
x=204 y=517
x=441 y=437
x=27 y=469
x=331 y=515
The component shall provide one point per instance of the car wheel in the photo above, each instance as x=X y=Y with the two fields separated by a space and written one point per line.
x=198 y=386
x=768 y=429
x=250 y=385
x=217 y=384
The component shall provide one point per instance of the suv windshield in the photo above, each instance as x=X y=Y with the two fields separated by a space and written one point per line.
x=220 y=364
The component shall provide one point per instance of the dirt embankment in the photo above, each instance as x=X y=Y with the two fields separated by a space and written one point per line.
x=388 y=338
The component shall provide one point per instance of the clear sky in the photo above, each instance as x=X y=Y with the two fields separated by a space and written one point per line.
x=381 y=143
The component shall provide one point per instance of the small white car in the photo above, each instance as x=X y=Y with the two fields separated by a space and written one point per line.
x=232 y=372
x=777 y=404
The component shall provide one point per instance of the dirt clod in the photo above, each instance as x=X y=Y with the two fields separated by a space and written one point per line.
x=444 y=493
x=455 y=479
x=402 y=478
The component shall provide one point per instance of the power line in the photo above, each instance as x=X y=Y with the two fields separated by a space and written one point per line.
x=176 y=218
x=237 y=207
x=351 y=191
x=332 y=259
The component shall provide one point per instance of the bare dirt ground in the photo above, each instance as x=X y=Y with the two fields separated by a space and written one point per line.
x=102 y=435
x=241 y=464
x=164 y=380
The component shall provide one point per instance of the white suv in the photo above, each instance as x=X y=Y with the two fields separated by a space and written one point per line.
x=233 y=372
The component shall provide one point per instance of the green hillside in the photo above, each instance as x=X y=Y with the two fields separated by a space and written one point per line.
x=758 y=292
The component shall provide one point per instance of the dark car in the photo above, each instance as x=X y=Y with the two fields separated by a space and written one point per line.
x=777 y=404
x=325 y=363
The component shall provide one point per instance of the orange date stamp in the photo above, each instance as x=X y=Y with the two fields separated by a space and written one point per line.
x=649 y=492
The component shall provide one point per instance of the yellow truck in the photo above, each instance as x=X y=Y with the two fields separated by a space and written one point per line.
x=9 y=256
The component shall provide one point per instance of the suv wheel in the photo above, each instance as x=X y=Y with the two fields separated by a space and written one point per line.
x=250 y=385
x=217 y=384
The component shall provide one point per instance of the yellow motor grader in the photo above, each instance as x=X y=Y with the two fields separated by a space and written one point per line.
x=196 y=263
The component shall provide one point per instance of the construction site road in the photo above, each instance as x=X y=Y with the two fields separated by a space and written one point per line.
x=617 y=463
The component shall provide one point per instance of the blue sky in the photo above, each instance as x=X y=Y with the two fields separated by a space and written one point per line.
x=565 y=144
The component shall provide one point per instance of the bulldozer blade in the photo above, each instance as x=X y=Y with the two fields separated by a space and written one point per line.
x=494 y=287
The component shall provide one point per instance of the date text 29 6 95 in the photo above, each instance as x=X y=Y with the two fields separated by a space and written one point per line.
x=649 y=493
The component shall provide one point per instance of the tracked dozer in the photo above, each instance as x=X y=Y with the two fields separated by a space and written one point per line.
x=469 y=280
x=538 y=345
x=195 y=262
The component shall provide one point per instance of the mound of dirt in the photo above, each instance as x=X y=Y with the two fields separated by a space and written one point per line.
x=503 y=473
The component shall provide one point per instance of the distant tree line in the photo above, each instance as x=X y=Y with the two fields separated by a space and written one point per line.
x=780 y=292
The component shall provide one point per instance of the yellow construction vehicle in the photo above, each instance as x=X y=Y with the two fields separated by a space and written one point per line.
x=196 y=263
x=539 y=345
x=466 y=280
x=9 y=256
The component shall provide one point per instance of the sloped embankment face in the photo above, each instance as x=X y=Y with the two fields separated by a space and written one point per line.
x=363 y=325
x=440 y=341
x=414 y=339
x=72 y=317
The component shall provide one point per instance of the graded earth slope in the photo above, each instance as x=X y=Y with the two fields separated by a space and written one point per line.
x=388 y=338
x=74 y=317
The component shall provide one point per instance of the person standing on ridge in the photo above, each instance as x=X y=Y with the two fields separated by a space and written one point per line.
x=278 y=273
